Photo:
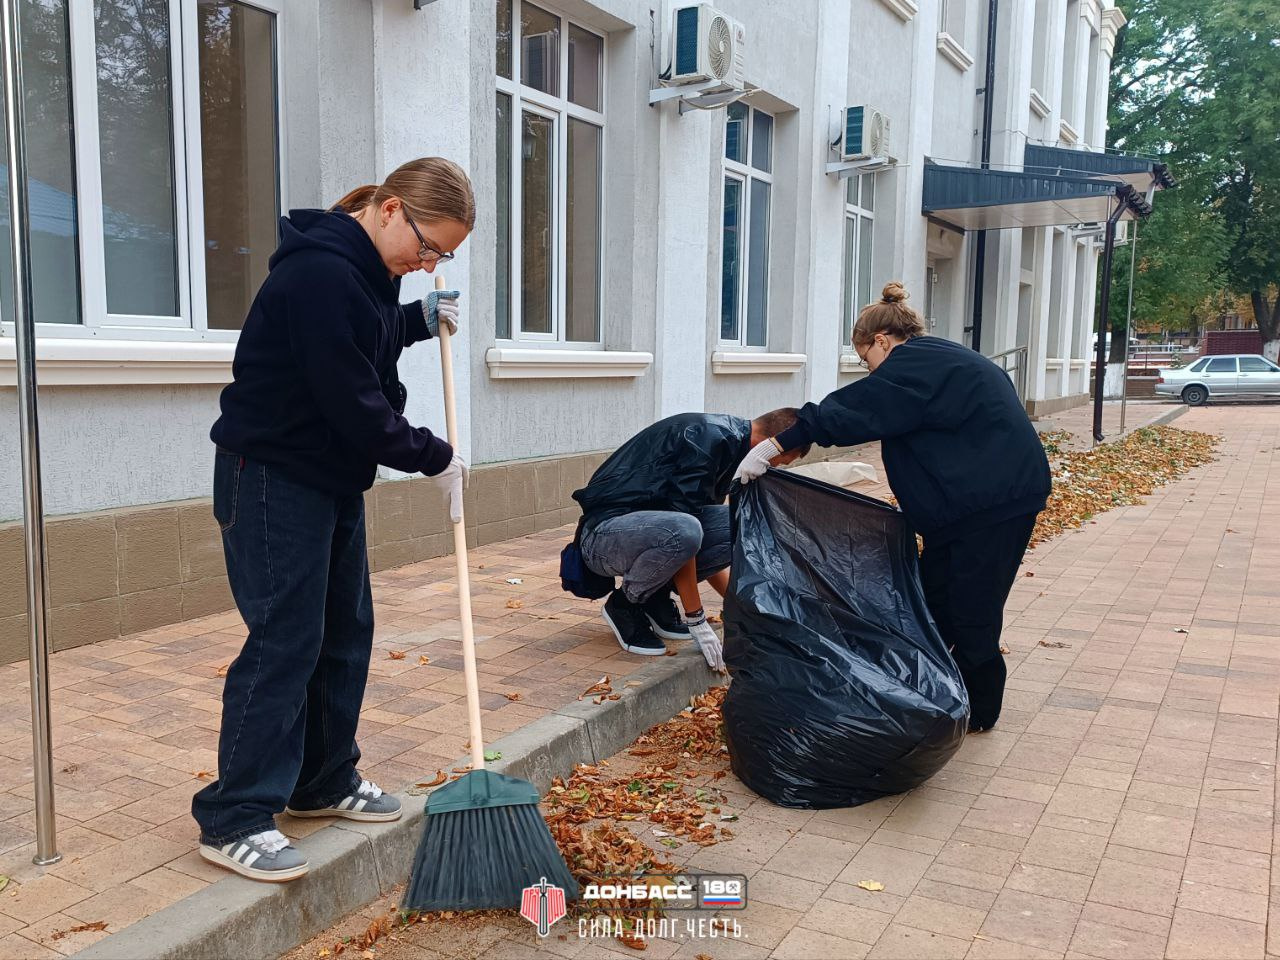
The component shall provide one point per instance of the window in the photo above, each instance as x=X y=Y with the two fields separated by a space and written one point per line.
x=1222 y=365
x=550 y=79
x=152 y=133
x=859 y=224
x=744 y=266
x=951 y=19
x=1198 y=365
x=1040 y=50
x=1257 y=365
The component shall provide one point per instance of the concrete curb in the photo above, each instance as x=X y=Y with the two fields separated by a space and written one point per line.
x=1169 y=417
x=353 y=864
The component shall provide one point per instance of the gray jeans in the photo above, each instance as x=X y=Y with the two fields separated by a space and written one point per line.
x=647 y=547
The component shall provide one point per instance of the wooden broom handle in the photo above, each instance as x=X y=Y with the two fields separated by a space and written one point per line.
x=460 y=554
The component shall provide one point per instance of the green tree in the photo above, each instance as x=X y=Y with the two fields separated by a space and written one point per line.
x=1198 y=84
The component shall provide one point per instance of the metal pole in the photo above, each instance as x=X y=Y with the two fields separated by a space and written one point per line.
x=29 y=428
x=1104 y=319
x=988 y=105
x=1128 y=325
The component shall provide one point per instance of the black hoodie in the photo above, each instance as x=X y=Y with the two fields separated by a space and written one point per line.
x=321 y=339
x=682 y=464
x=958 y=448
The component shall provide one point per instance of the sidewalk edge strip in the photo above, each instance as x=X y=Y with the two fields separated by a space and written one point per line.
x=353 y=864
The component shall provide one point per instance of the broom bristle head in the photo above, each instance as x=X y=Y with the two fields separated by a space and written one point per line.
x=483 y=859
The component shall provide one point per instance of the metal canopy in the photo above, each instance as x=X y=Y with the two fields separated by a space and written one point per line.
x=1139 y=172
x=970 y=198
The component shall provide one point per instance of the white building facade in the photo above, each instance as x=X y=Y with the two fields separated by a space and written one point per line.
x=629 y=261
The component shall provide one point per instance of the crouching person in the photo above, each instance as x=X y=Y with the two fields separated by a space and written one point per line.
x=654 y=515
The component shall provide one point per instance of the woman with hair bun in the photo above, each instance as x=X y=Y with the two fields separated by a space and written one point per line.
x=314 y=407
x=964 y=462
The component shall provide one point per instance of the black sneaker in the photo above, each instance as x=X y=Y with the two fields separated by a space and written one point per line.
x=631 y=626
x=665 y=619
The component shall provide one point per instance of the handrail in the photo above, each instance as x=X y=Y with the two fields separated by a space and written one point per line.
x=1017 y=366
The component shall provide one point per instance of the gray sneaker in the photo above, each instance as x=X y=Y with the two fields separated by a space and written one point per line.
x=368 y=804
x=263 y=856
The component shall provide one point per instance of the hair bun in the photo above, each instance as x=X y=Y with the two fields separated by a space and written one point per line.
x=894 y=292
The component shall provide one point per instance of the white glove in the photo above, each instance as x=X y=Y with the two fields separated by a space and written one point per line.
x=447 y=313
x=451 y=481
x=710 y=645
x=441 y=306
x=756 y=462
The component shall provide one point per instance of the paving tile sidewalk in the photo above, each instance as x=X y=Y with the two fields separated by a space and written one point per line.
x=136 y=721
x=135 y=726
x=1124 y=806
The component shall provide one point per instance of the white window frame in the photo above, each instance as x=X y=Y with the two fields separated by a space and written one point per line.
x=560 y=110
x=744 y=173
x=856 y=213
x=191 y=322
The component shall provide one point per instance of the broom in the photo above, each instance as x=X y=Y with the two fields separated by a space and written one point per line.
x=484 y=840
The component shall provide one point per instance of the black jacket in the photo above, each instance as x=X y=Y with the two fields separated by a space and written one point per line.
x=682 y=464
x=958 y=448
x=314 y=370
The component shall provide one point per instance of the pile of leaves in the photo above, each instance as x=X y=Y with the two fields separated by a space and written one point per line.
x=588 y=813
x=1089 y=482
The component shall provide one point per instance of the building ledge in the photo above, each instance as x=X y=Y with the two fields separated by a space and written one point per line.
x=849 y=363
x=1067 y=133
x=1039 y=105
x=906 y=9
x=950 y=48
x=515 y=363
x=86 y=361
x=727 y=361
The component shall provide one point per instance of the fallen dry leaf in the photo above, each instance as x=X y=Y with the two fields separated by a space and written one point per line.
x=1055 y=644
x=875 y=886
x=203 y=774
x=396 y=654
x=82 y=928
x=670 y=653
x=1115 y=474
x=434 y=782
x=423 y=660
x=1004 y=649
x=222 y=670
x=514 y=604
x=513 y=697
x=4 y=882
x=603 y=685
x=714 y=618
x=1028 y=574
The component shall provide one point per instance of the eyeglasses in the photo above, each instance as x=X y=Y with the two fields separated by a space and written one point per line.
x=426 y=253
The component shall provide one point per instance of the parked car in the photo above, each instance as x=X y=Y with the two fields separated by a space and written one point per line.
x=1209 y=378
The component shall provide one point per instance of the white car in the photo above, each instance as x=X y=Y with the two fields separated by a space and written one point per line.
x=1239 y=375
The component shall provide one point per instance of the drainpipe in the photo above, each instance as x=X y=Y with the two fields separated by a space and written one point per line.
x=980 y=255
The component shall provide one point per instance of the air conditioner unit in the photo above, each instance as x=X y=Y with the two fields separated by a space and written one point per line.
x=706 y=45
x=865 y=133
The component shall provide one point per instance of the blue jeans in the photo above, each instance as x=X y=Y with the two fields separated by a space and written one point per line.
x=299 y=573
x=647 y=547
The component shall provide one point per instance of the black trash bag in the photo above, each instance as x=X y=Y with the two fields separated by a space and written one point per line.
x=843 y=691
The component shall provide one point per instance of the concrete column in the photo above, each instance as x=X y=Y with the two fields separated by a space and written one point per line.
x=690 y=198
x=823 y=294
x=402 y=35
x=1039 y=346
x=909 y=257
